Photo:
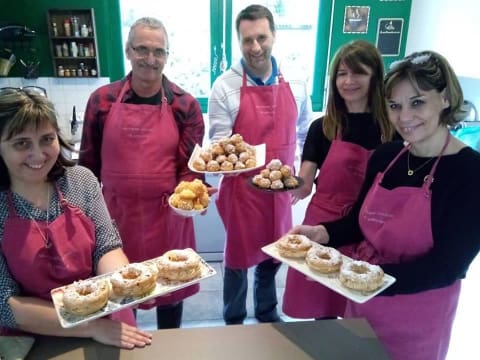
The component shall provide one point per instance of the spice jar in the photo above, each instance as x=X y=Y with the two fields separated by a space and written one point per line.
x=67 y=28
x=60 y=71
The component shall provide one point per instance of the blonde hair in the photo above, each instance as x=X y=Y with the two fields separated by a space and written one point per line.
x=428 y=70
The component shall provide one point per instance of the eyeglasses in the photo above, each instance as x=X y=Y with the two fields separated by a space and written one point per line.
x=418 y=59
x=143 y=52
x=38 y=90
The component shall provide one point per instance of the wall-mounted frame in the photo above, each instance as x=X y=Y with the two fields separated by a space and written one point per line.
x=356 y=19
x=389 y=36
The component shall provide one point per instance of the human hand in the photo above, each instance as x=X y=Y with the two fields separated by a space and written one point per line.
x=316 y=233
x=111 y=332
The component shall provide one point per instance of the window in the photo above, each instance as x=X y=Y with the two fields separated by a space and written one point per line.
x=203 y=40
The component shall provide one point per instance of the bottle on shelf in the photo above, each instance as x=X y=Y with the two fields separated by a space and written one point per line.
x=54 y=29
x=67 y=72
x=67 y=28
x=65 y=49
x=84 y=30
x=91 y=49
x=60 y=71
x=93 y=72
x=75 y=26
x=74 y=49
x=58 y=50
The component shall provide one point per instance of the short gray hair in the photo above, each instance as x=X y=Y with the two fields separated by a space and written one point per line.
x=149 y=22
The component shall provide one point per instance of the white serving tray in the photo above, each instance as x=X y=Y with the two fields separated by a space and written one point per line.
x=260 y=155
x=163 y=287
x=329 y=280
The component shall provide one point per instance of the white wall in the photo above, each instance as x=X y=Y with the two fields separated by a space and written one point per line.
x=452 y=28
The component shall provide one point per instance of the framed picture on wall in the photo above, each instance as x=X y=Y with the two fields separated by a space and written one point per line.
x=356 y=19
x=389 y=36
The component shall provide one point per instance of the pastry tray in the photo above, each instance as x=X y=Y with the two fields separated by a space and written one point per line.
x=268 y=190
x=329 y=280
x=260 y=156
x=163 y=287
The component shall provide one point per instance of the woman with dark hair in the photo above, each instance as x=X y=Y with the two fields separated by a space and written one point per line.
x=339 y=145
x=54 y=226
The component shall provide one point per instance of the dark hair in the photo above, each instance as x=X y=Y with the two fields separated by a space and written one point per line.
x=23 y=109
x=428 y=70
x=255 y=12
x=356 y=55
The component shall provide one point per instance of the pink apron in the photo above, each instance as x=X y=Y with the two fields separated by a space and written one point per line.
x=252 y=219
x=65 y=258
x=139 y=172
x=414 y=326
x=338 y=184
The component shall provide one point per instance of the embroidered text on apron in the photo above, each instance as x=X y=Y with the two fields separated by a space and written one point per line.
x=415 y=326
x=139 y=172
x=252 y=219
x=337 y=187
x=66 y=258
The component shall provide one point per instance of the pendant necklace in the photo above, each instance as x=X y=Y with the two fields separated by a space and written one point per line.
x=410 y=172
x=43 y=234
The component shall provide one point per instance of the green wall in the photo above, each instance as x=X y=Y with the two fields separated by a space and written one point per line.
x=33 y=14
x=378 y=9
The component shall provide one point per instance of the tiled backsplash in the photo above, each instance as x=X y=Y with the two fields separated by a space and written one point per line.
x=64 y=93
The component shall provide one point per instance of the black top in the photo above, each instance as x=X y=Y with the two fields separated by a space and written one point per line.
x=360 y=129
x=455 y=217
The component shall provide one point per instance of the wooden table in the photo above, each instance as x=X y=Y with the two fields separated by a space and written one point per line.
x=327 y=339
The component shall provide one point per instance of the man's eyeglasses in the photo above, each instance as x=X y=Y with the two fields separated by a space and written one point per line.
x=143 y=52
x=27 y=89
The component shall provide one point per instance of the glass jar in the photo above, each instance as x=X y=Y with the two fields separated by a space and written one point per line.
x=84 y=30
x=76 y=26
x=60 y=71
x=67 y=28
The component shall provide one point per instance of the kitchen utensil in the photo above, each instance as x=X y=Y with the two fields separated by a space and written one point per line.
x=6 y=65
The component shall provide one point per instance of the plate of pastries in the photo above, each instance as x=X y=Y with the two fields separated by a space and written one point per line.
x=230 y=155
x=276 y=177
x=189 y=198
x=88 y=299
x=357 y=280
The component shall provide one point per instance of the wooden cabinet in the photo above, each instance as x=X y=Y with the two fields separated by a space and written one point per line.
x=73 y=42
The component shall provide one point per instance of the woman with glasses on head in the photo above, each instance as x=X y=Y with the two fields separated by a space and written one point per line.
x=417 y=214
x=339 y=145
x=138 y=135
x=54 y=226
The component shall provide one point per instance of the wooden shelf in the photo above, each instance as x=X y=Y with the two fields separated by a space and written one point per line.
x=78 y=37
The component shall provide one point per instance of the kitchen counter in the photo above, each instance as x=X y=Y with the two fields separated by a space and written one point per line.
x=303 y=340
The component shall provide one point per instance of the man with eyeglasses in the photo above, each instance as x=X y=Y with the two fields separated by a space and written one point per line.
x=254 y=100
x=138 y=135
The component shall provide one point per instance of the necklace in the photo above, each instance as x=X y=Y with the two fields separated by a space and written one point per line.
x=410 y=172
x=43 y=234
